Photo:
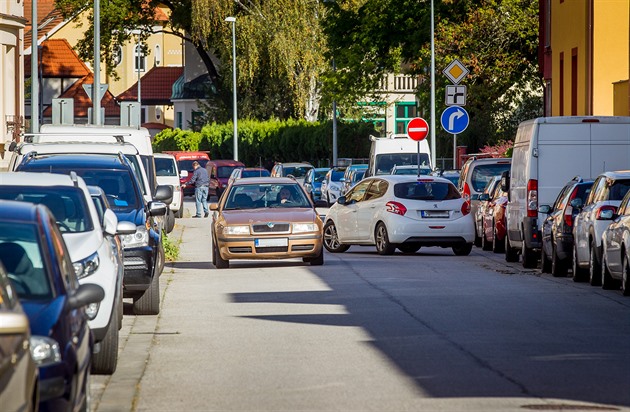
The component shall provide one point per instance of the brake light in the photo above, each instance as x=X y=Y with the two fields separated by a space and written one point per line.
x=465 y=208
x=466 y=193
x=396 y=208
x=568 y=211
x=602 y=208
x=532 y=198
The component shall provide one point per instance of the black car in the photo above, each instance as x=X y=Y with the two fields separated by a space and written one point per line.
x=38 y=264
x=557 y=228
x=143 y=250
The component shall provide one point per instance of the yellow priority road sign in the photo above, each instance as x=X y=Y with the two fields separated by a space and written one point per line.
x=455 y=71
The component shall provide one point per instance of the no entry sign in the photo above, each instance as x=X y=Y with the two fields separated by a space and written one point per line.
x=417 y=129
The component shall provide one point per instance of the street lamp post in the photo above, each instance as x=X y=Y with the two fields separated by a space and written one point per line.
x=432 y=128
x=233 y=21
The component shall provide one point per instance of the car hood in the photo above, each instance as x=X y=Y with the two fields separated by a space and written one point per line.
x=135 y=216
x=82 y=245
x=43 y=316
x=246 y=217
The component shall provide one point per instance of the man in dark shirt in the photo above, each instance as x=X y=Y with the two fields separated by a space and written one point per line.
x=200 y=180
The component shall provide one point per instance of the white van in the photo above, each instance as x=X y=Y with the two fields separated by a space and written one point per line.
x=396 y=150
x=548 y=152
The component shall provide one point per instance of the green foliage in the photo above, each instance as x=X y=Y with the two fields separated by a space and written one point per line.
x=262 y=143
x=171 y=248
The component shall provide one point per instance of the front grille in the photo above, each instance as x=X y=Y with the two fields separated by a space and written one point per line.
x=240 y=249
x=276 y=228
x=275 y=249
x=298 y=248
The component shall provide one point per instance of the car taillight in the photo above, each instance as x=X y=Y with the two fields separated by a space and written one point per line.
x=465 y=208
x=532 y=198
x=397 y=208
x=466 y=194
x=568 y=211
x=602 y=208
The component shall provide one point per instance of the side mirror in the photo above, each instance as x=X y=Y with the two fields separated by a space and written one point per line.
x=125 y=227
x=546 y=209
x=164 y=193
x=157 y=208
x=606 y=214
x=86 y=294
x=183 y=174
x=213 y=206
x=341 y=200
x=505 y=181
x=110 y=222
x=12 y=146
x=577 y=203
x=484 y=197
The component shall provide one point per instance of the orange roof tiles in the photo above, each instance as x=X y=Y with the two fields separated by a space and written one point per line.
x=82 y=102
x=156 y=86
x=58 y=60
x=47 y=15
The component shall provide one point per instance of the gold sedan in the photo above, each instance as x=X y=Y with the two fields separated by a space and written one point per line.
x=265 y=218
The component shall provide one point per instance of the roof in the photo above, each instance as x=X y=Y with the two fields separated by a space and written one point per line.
x=76 y=162
x=82 y=102
x=156 y=86
x=59 y=60
x=48 y=16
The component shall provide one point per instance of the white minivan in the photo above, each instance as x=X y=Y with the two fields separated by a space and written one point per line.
x=396 y=150
x=548 y=152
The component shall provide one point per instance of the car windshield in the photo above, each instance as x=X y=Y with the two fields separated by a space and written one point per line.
x=165 y=167
x=426 y=190
x=385 y=162
x=336 y=175
x=67 y=204
x=265 y=195
x=21 y=256
x=226 y=171
x=320 y=176
x=358 y=175
x=412 y=171
x=187 y=164
x=482 y=174
x=255 y=173
x=296 y=171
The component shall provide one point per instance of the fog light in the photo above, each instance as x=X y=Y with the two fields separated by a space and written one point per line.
x=91 y=310
x=44 y=350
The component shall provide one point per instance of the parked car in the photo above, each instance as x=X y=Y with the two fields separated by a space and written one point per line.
x=297 y=170
x=19 y=390
x=167 y=172
x=396 y=150
x=245 y=172
x=402 y=212
x=332 y=184
x=313 y=182
x=265 y=218
x=452 y=175
x=616 y=248
x=475 y=175
x=219 y=172
x=185 y=161
x=485 y=216
x=607 y=192
x=143 y=249
x=353 y=171
x=411 y=170
x=37 y=260
x=94 y=260
x=557 y=229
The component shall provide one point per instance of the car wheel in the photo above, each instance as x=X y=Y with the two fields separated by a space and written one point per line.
x=545 y=264
x=530 y=260
x=104 y=362
x=595 y=266
x=180 y=212
x=214 y=253
x=331 y=239
x=383 y=247
x=511 y=255
x=607 y=280
x=477 y=238
x=497 y=246
x=217 y=260
x=409 y=248
x=559 y=267
x=485 y=245
x=579 y=274
x=169 y=221
x=149 y=302
x=315 y=261
x=625 y=278
x=463 y=249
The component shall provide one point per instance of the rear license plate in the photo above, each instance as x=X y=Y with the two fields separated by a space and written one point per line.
x=435 y=214
x=283 y=241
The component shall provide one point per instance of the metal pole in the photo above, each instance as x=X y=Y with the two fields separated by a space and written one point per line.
x=234 y=88
x=433 y=144
x=418 y=158
x=96 y=92
x=454 y=151
x=334 y=125
x=138 y=63
x=34 y=70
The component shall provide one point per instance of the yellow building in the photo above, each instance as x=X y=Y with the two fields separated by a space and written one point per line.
x=586 y=63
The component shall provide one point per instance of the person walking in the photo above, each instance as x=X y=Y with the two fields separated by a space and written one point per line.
x=200 y=180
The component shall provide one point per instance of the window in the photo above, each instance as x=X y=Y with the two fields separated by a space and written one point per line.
x=197 y=121
x=179 y=122
x=356 y=194
x=376 y=190
x=139 y=59
x=405 y=111
x=117 y=56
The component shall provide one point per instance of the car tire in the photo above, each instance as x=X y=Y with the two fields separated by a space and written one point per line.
x=579 y=274
x=315 y=261
x=485 y=245
x=545 y=264
x=169 y=223
x=180 y=212
x=409 y=248
x=511 y=255
x=463 y=249
x=214 y=253
x=219 y=262
x=149 y=302
x=497 y=246
x=625 y=278
x=331 y=239
x=383 y=246
x=595 y=266
x=607 y=280
x=104 y=362
x=477 y=238
x=559 y=267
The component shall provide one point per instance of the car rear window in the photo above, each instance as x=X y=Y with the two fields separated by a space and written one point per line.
x=482 y=174
x=385 y=162
x=165 y=167
x=426 y=190
x=618 y=189
x=187 y=164
x=336 y=176
x=297 y=172
x=256 y=173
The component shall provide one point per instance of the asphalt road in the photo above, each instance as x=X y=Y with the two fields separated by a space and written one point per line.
x=366 y=332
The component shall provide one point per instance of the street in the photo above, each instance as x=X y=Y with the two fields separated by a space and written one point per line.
x=430 y=331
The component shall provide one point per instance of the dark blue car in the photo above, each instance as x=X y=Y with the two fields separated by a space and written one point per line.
x=39 y=267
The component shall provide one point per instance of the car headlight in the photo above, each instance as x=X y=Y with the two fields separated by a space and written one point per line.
x=140 y=238
x=236 y=230
x=304 y=227
x=91 y=310
x=87 y=266
x=44 y=350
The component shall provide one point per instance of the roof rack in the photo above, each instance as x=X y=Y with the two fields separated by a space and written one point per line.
x=73 y=177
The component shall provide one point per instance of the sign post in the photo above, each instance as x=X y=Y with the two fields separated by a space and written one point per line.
x=418 y=130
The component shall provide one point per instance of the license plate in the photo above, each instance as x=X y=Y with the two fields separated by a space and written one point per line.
x=435 y=214
x=283 y=241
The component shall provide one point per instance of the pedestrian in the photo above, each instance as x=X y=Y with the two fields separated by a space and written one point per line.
x=200 y=180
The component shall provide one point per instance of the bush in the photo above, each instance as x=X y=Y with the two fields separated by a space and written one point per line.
x=171 y=249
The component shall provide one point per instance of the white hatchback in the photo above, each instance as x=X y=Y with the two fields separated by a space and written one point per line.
x=404 y=212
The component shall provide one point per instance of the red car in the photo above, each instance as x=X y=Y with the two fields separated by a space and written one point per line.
x=184 y=162
x=493 y=219
x=219 y=172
